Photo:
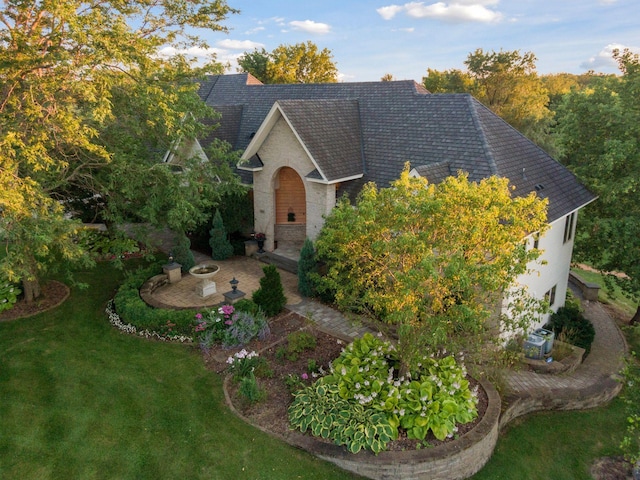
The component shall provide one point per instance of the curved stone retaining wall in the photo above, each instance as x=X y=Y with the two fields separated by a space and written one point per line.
x=590 y=396
x=454 y=460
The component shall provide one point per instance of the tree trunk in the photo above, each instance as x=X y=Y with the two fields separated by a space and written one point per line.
x=31 y=289
x=636 y=318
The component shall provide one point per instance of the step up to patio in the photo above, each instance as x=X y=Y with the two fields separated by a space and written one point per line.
x=279 y=261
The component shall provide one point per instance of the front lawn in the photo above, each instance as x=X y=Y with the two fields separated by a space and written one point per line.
x=81 y=400
x=556 y=445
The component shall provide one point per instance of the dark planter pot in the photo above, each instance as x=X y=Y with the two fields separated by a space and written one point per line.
x=260 y=246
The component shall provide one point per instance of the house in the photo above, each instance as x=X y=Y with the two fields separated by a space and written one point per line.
x=305 y=145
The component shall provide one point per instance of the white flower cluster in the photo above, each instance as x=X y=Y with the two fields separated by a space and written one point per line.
x=117 y=322
x=242 y=354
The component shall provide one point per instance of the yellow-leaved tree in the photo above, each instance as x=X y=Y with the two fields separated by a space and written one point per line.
x=433 y=261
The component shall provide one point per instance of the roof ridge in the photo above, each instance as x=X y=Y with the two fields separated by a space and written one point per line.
x=473 y=103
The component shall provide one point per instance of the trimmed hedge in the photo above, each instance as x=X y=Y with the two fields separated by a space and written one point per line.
x=131 y=308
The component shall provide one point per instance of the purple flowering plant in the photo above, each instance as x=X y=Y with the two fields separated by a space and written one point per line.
x=229 y=327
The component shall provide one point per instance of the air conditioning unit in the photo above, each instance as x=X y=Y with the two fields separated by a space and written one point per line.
x=548 y=336
x=534 y=347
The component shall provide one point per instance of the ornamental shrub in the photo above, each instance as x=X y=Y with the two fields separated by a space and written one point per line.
x=306 y=267
x=247 y=305
x=243 y=327
x=250 y=390
x=230 y=327
x=132 y=309
x=182 y=253
x=270 y=296
x=576 y=329
x=221 y=248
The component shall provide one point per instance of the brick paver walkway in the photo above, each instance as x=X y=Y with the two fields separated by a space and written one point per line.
x=594 y=382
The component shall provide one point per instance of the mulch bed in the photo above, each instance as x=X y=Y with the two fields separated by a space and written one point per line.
x=271 y=413
x=53 y=294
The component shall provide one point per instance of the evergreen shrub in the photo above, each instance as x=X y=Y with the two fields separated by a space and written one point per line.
x=221 y=248
x=306 y=266
x=576 y=329
x=270 y=296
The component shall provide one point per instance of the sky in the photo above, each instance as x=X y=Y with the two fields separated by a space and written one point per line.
x=369 y=39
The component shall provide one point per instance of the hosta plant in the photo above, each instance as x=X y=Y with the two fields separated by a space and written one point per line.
x=320 y=409
x=436 y=397
x=8 y=295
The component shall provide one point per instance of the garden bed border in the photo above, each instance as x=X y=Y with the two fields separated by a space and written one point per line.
x=453 y=460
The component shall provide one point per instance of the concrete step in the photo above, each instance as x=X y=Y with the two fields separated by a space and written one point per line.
x=279 y=261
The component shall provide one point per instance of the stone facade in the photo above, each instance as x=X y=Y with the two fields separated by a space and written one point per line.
x=283 y=149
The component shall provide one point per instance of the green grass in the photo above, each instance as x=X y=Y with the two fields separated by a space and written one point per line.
x=556 y=445
x=613 y=297
x=81 y=400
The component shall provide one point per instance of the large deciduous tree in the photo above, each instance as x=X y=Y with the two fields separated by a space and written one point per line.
x=433 y=260
x=507 y=83
x=87 y=109
x=599 y=133
x=299 y=63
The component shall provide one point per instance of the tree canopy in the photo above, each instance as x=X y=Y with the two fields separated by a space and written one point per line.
x=507 y=83
x=87 y=109
x=599 y=135
x=299 y=63
x=432 y=259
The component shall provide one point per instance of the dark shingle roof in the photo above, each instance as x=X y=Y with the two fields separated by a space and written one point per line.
x=394 y=123
x=330 y=129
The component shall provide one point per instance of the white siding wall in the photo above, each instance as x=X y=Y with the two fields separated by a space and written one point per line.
x=557 y=255
x=282 y=149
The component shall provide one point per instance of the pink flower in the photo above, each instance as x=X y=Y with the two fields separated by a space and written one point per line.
x=227 y=309
x=198 y=316
x=228 y=322
x=305 y=376
x=200 y=327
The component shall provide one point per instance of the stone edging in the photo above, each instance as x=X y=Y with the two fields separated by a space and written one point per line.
x=454 y=460
x=566 y=365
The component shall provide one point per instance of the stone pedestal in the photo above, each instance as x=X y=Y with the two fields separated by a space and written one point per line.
x=250 y=247
x=173 y=271
x=206 y=288
x=233 y=296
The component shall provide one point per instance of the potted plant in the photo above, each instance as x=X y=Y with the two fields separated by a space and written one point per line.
x=260 y=238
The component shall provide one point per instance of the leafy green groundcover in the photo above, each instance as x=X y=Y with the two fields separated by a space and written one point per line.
x=363 y=402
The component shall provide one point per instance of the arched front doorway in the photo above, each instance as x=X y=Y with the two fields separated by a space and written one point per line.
x=291 y=209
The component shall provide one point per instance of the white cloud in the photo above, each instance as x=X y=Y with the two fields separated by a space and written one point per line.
x=389 y=12
x=603 y=60
x=607 y=2
x=243 y=45
x=254 y=30
x=204 y=55
x=310 y=26
x=456 y=11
